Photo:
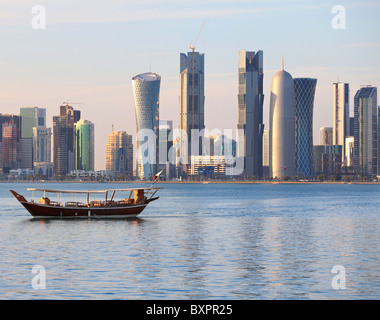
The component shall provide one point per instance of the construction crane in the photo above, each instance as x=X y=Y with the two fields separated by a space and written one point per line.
x=192 y=47
x=67 y=103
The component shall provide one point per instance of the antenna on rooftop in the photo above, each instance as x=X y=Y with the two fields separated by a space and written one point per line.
x=282 y=64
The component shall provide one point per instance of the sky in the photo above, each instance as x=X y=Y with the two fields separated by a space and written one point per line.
x=90 y=50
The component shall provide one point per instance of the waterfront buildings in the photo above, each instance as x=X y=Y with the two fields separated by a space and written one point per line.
x=84 y=145
x=119 y=154
x=326 y=137
x=146 y=91
x=282 y=126
x=63 y=140
x=250 y=110
x=192 y=101
x=304 y=105
x=341 y=116
x=44 y=169
x=365 y=131
x=327 y=159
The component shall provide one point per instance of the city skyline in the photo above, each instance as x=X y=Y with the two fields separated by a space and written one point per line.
x=89 y=59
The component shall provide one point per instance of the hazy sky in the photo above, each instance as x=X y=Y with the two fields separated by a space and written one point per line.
x=90 y=50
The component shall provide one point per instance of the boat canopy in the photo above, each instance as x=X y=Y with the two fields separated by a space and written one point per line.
x=89 y=191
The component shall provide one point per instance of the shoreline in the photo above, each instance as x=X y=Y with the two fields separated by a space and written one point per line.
x=205 y=182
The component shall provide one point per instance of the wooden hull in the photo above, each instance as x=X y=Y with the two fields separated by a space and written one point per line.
x=48 y=211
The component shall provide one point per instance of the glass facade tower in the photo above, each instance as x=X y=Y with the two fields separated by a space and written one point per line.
x=365 y=131
x=84 y=145
x=63 y=140
x=146 y=91
x=250 y=104
x=304 y=97
x=192 y=99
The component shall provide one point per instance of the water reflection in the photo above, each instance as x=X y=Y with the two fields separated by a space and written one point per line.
x=221 y=242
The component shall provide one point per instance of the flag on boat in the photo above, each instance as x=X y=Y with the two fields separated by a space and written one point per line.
x=157 y=175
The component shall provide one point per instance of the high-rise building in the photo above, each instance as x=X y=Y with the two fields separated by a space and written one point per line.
x=10 y=156
x=192 y=100
x=146 y=91
x=341 y=117
x=41 y=144
x=84 y=156
x=365 y=131
x=31 y=117
x=63 y=140
x=326 y=137
x=250 y=110
x=282 y=126
x=304 y=105
x=119 y=154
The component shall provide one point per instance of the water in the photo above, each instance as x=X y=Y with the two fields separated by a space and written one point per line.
x=200 y=241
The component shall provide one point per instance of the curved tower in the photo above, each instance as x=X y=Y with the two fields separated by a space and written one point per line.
x=146 y=91
x=282 y=126
x=304 y=89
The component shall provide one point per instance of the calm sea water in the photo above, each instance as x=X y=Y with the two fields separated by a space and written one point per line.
x=200 y=241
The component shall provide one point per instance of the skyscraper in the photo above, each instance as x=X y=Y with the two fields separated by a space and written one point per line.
x=282 y=126
x=146 y=91
x=119 y=154
x=41 y=144
x=31 y=117
x=63 y=140
x=365 y=131
x=192 y=99
x=341 y=118
x=10 y=143
x=250 y=108
x=304 y=105
x=84 y=145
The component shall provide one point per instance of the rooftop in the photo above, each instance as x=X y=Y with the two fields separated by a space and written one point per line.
x=148 y=76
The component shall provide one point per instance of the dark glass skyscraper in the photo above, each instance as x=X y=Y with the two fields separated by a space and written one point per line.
x=250 y=112
x=192 y=99
x=365 y=131
x=63 y=136
x=304 y=92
